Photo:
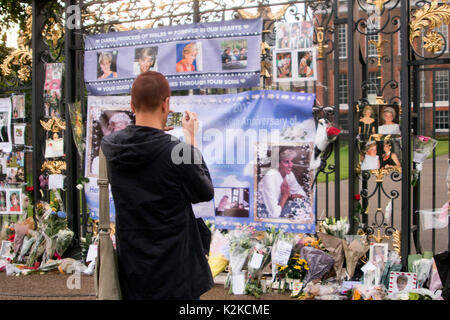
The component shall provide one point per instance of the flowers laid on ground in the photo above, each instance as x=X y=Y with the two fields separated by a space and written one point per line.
x=296 y=269
x=423 y=146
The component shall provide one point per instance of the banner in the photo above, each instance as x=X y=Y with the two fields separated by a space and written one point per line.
x=257 y=146
x=222 y=54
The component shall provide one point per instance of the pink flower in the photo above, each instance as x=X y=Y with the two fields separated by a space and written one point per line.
x=333 y=131
x=424 y=138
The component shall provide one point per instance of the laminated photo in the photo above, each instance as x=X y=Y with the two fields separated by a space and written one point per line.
x=400 y=282
x=14 y=200
x=18 y=104
x=5 y=125
x=19 y=133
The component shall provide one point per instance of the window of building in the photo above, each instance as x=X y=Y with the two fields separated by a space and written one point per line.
x=374 y=82
x=441 y=120
x=441 y=90
x=443 y=29
x=342 y=39
x=343 y=89
x=373 y=25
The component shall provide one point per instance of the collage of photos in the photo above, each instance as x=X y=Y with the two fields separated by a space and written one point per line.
x=379 y=137
x=283 y=188
x=53 y=89
x=232 y=202
x=234 y=54
x=145 y=60
x=295 y=56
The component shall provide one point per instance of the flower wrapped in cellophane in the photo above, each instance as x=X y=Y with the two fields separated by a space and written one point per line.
x=240 y=244
x=338 y=228
x=281 y=252
x=325 y=135
x=423 y=147
x=259 y=258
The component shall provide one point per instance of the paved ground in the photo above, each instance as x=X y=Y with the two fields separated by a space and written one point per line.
x=53 y=285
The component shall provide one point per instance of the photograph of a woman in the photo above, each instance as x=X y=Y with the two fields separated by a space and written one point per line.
x=370 y=159
x=106 y=65
x=284 y=65
x=367 y=124
x=389 y=159
x=14 y=201
x=281 y=192
x=305 y=66
x=145 y=60
x=389 y=121
x=187 y=63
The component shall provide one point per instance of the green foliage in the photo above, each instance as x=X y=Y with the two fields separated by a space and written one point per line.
x=13 y=12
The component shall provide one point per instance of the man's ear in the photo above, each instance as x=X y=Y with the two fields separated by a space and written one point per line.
x=166 y=105
x=132 y=107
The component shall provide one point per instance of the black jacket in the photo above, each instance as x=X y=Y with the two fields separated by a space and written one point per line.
x=159 y=246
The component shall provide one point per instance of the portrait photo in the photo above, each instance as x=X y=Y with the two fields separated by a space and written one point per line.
x=15 y=175
x=234 y=54
x=306 y=34
x=145 y=59
x=283 y=182
x=15 y=159
x=306 y=60
x=381 y=152
x=103 y=123
x=388 y=121
x=14 y=200
x=52 y=102
x=368 y=122
x=283 y=35
x=5 y=250
x=3 y=201
x=401 y=282
x=106 y=65
x=189 y=57
x=378 y=253
x=283 y=66
x=232 y=202
x=18 y=105
x=4 y=127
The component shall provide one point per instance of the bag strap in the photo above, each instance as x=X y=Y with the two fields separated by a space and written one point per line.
x=102 y=181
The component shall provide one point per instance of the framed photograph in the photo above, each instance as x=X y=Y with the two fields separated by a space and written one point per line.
x=378 y=253
x=15 y=159
x=18 y=104
x=5 y=251
x=14 y=200
x=401 y=282
x=283 y=182
x=189 y=57
x=234 y=54
x=145 y=59
x=389 y=120
x=232 y=202
x=107 y=65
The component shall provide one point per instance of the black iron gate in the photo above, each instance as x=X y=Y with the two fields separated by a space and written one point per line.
x=367 y=55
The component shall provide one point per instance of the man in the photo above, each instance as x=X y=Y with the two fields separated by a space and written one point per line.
x=159 y=246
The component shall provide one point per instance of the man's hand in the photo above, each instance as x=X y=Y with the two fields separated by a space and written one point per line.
x=190 y=127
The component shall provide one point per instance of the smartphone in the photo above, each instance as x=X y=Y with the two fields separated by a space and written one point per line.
x=174 y=119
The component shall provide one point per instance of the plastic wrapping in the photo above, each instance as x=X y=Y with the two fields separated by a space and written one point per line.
x=423 y=269
x=26 y=246
x=63 y=240
x=319 y=263
x=334 y=245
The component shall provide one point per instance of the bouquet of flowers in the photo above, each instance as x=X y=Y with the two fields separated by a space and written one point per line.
x=423 y=146
x=260 y=258
x=281 y=252
x=294 y=271
x=325 y=134
x=338 y=228
x=240 y=244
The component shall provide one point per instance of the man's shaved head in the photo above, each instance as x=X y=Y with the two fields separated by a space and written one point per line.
x=149 y=90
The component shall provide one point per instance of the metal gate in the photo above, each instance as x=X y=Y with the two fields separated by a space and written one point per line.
x=370 y=52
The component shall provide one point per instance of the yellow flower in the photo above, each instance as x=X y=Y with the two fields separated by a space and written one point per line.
x=306 y=268
x=297 y=267
x=54 y=209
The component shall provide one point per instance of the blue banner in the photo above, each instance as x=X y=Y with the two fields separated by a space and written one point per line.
x=202 y=55
x=257 y=145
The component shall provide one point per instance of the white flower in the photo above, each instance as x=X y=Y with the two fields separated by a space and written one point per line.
x=403 y=296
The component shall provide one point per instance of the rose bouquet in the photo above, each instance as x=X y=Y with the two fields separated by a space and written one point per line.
x=338 y=228
x=423 y=146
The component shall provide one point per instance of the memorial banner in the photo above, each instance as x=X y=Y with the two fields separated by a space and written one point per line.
x=203 y=55
x=257 y=146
